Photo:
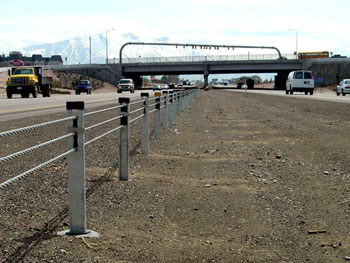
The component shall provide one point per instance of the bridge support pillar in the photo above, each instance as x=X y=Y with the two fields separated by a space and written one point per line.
x=206 y=82
x=137 y=80
x=280 y=80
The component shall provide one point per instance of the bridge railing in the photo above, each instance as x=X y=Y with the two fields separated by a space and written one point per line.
x=169 y=105
x=203 y=58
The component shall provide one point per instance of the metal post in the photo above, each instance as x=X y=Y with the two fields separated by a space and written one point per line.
x=186 y=99
x=124 y=140
x=157 y=116
x=107 y=45
x=182 y=101
x=171 y=108
x=90 y=48
x=165 y=111
x=145 y=125
x=175 y=105
x=76 y=174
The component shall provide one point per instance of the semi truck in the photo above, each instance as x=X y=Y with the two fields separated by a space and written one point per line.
x=26 y=81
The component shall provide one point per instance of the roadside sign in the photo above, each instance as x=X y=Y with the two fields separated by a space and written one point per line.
x=17 y=63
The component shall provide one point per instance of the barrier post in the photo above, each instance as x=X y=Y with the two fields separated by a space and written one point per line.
x=179 y=102
x=124 y=140
x=76 y=174
x=187 y=98
x=175 y=105
x=145 y=125
x=165 y=111
x=157 y=116
x=171 y=108
x=182 y=101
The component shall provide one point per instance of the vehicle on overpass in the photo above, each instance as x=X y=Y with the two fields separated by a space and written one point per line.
x=343 y=87
x=83 y=86
x=300 y=81
x=186 y=83
x=26 y=81
x=338 y=56
x=126 y=85
x=314 y=54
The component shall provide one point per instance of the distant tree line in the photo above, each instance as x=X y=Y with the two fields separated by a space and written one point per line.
x=164 y=79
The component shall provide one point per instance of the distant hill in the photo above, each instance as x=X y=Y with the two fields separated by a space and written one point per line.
x=77 y=50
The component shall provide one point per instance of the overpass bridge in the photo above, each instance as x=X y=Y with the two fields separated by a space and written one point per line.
x=206 y=67
x=135 y=68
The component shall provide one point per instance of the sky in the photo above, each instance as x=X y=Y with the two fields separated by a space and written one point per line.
x=309 y=25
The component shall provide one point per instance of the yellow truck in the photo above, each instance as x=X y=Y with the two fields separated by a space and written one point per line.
x=26 y=81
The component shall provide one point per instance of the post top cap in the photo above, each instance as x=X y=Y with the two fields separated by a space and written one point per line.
x=124 y=100
x=75 y=105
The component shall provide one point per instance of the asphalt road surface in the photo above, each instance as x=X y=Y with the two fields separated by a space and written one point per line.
x=15 y=108
x=319 y=95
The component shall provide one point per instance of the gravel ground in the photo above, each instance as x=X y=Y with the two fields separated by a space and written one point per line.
x=236 y=178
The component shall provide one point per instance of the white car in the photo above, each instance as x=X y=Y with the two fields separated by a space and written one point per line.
x=126 y=85
x=300 y=81
x=343 y=87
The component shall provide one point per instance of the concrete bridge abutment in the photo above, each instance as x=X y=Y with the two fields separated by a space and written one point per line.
x=281 y=79
x=137 y=80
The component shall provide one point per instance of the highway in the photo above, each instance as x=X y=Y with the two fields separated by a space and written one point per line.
x=16 y=108
x=318 y=95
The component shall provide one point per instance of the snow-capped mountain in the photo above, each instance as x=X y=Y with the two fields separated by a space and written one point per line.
x=77 y=50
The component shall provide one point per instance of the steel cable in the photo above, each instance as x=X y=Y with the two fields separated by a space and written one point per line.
x=103 y=110
x=20 y=176
x=36 y=147
x=131 y=121
x=136 y=102
x=131 y=112
x=101 y=123
x=36 y=126
x=101 y=136
x=151 y=105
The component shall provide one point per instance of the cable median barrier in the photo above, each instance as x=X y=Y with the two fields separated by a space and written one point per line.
x=167 y=104
x=34 y=148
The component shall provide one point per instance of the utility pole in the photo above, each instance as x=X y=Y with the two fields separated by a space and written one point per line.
x=90 y=49
x=107 y=45
x=296 y=42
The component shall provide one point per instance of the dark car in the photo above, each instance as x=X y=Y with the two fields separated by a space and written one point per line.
x=83 y=86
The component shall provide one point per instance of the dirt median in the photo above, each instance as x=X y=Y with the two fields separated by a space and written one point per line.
x=236 y=178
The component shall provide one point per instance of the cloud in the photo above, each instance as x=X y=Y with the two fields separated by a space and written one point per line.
x=320 y=24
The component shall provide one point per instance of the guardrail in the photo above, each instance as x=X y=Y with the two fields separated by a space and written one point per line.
x=168 y=105
x=203 y=58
